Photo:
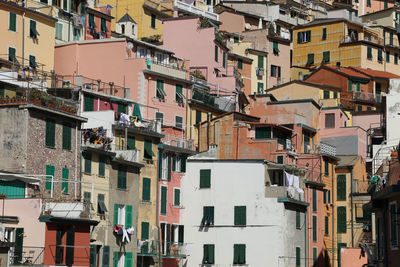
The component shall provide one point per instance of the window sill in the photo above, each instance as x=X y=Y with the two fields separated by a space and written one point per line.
x=87 y=173
x=122 y=189
x=68 y=150
x=146 y=202
x=51 y=147
x=204 y=187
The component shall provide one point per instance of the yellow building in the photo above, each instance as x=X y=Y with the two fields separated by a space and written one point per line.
x=27 y=38
x=339 y=41
x=147 y=14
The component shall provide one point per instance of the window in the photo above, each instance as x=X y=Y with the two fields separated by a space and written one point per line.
x=163 y=209
x=216 y=53
x=303 y=37
x=88 y=163
x=50 y=139
x=323 y=33
x=314 y=200
x=205 y=178
x=160 y=117
x=198 y=116
x=380 y=57
x=153 y=21
x=121 y=184
x=298 y=224
x=178 y=93
x=326 y=165
x=350 y=85
x=12 y=54
x=131 y=142
x=123 y=215
x=326 y=57
x=335 y=95
x=359 y=108
x=32 y=30
x=64 y=184
x=87 y=197
x=123 y=29
x=368 y=3
x=298 y=261
x=103 y=25
x=396 y=58
x=50 y=170
x=387 y=56
x=160 y=93
x=240 y=64
x=341 y=187
x=330 y=120
x=369 y=52
x=178 y=122
x=224 y=59
x=88 y=103
x=314 y=255
x=148 y=150
x=13 y=189
x=314 y=228
x=240 y=216
x=326 y=225
x=106 y=256
x=368 y=108
x=177 y=197
x=275 y=48
x=208 y=216
x=12 y=23
x=208 y=254
x=32 y=61
x=239 y=254
x=385 y=4
x=310 y=59
x=102 y=166
x=260 y=87
x=92 y=25
x=59 y=27
x=393 y=224
x=146 y=189
x=66 y=137
x=235 y=40
x=341 y=219
x=279 y=159
x=101 y=205
x=177 y=163
x=391 y=38
x=326 y=94
x=260 y=62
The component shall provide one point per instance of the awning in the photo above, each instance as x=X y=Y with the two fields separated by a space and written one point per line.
x=21 y=177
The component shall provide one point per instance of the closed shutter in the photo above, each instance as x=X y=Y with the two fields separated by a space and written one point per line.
x=88 y=103
x=178 y=93
x=59 y=30
x=341 y=219
x=314 y=200
x=326 y=225
x=50 y=133
x=168 y=239
x=160 y=165
x=59 y=248
x=198 y=116
x=326 y=57
x=239 y=254
x=88 y=163
x=169 y=167
x=216 y=53
x=121 y=178
x=329 y=120
x=298 y=261
x=12 y=54
x=315 y=228
x=324 y=34
x=183 y=164
x=128 y=259
x=341 y=187
x=146 y=189
x=69 y=254
x=299 y=38
x=261 y=62
x=128 y=216
x=103 y=25
x=65 y=177
x=177 y=197
x=13 y=22
x=205 y=178
x=93 y=258
x=310 y=59
x=121 y=108
x=240 y=64
x=101 y=205
x=145 y=231
x=263 y=132
x=106 y=256
x=66 y=141
x=314 y=255
x=87 y=196
x=102 y=166
x=326 y=165
x=224 y=59
x=208 y=254
x=32 y=61
x=181 y=231
x=91 y=21
x=380 y=56
x=163 y=209
x=116 y=207
x=18 y=248
x=174 y=162
x=49 y=171
x=240 y=215
x=115 y=259
x=369 y=53
x=279 y=71
x=308 y=36
x=275 y=48
x=12 y=189
x=153 y=21
x=298 y=226
x=131 y=142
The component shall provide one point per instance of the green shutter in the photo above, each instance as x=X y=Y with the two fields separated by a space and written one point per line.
x=298 y=261
x=310 y=59
x=145 y=231
x=341 y=187
x=69 y=250
x=106 y=256
x=369 y=52
x=308 y=36
x=341 y=220
x=387 y=56
x=240 y=64
x=396 y=58
x=208 y=254
x=298 y=226
x=260 y=62
x=12 y=22
x=49 y=171
x=32 y=61
x=169 y=167
x=385 y=4
x=205 y=178
x=88 y=103
x=263 y=132
x=279 y=71
x=391 y=38
x=131 y=142
x=121 y=179
x=314 y=255
x=116 y=207
x=198 y=116
x=240 y=216
x=260 y=87
x=315 y=228
x=91 y=21
x=326 y=225
x=239 y=254
x=350 y=85
x=32 y=29
x=65 y=177
x=146 y=189
x=93 y=254
x=275 y=48
x=103 y=25
x=115 y=259
x=88 y=163
x=174 y=162
x=358 y=86
x=159 y=165
x=121 y=108
x=216 y=53
x=339 y=246
x=314 y=200
x=223 y=60
x=324 y=34
x=177 y=197
x=50 y=133
x=368 y=2
x=179 y=93
x=380 y=57
x=12 y=54
x=299 y=39
x=128 y=216
x=153 y=21
x=163 y=209
x=326 y=165
x=128 y=259
x=66 y=140
x=148 y=150
x=183 y=164
x=18 y=247
x=326 y=57
x=12 y=189
x=102 y=166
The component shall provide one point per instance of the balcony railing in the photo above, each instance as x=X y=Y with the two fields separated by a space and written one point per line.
x=28 y=256
x=182 y=6
x=274 y=191
x=67 y=209
x=327 y=149
x=168 y=69
x=204 y=97
x=174 y=250
x=132 y=155
x=365 y=97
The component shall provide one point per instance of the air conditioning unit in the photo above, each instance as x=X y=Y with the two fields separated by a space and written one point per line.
x=260 y=71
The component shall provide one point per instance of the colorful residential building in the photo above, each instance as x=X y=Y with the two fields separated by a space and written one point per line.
x=373 y=6
x=28 y=38
x=97 y=23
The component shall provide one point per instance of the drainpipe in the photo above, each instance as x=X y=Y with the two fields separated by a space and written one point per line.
x=76 y=158
x=333 y=217
x=352 y=216
x=23 y=39
x=385 y=245
x=186 y=106
x=305 y=237
x=157 y=223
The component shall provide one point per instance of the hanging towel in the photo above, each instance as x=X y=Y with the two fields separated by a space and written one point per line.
x=296 y=181
x=125 y=237
x=289 y=179
x=188 y=249
x=130 y=230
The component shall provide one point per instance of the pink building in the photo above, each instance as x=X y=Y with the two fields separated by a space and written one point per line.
x=149 y=75
x=98 y=23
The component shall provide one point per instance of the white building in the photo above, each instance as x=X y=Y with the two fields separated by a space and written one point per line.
x=232 y=218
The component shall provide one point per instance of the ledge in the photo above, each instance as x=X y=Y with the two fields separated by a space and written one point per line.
x=293 y=201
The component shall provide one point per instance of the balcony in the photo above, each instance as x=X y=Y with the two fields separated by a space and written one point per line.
x=327 y=149
x=32 y=256
x=67 y=209
x=276 y=184
x=174 y=250
x=205 y=98
x=132 y=155
x=167 y=69
x=184 y=7
x=292 y=20
x=151 y=127
x=365 y=97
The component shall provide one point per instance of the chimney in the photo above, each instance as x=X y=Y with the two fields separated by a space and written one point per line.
x=338 y=65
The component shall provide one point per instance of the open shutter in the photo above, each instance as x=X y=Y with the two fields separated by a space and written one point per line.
x=173 y=162
x=19 y=241
x=183 y=164
x=159 y=165
x=131 y=142
x=128 y=259
x=59 y=248
x=168 y=238
x=181 y=231
x=177 y=200
x=116 y=207
x=128 y=216
x=69 y=255
x=106 y=256
x=169 y=167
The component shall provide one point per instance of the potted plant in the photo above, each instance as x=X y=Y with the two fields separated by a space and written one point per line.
x=268 y=183
x=52 y=102
x=395 y=152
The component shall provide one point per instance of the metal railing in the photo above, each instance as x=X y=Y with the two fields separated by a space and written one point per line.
x=174 y=249
x=327 y=149
x=28 y=256
x=180 y=5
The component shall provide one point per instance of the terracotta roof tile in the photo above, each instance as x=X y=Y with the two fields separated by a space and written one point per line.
x=376 y=73
x=348 y=71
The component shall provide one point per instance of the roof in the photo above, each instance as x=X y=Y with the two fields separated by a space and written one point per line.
x=326 y=21
x=348 y=71
x=126 y=18
x=347 y=161
x=294 y=101
x=376 y=73
x=322 y=86
x=49 y=218
x=99 y=13
x=372 y=13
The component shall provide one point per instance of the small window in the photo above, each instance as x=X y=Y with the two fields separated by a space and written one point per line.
x=160 y=117
x=260 y=62
x=224 y=60
x=208 y=254
x=341 y=220
x=314 y=200
x=179 y=94
x=326 y=57
x=326 y=165
x=198 y=116
x=12 y=54
x=66 y=137
x=326 y=225
x=314 y=228
x=121 y=178
x=263 y=132
x=32 y=30
x=387 y=56
x=208 y=216
x=260 y=88
x=146 y=189
x=275 y=48
x=77 y=34
x=369 y=53
x=101 y=205
x=122 y=29
x=65 y=177
x=303 y=37
x=12 y=24
x=298 y=259
x=153 y=21
x=239 y=254
x=92 y=24
x=380 y=56
x=240 y=216
x=326 y=94
x=216 y=53
x=103 y=25
x=310 y=59
x=50 y=138
x=148 y=150
x=205 y=178
x=330 y=120
x=177 y=197
x=88 y=163
x=240 y=64
x=160 y=93
x=32 y=62
x=102 y=166
x=393 y=221
x=178 y=122
x=163 y=208
x=298 y=223
x=324 y=34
